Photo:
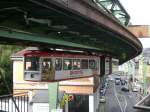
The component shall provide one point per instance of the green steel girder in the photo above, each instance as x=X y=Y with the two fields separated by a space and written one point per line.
x=20 y=36
x=115 y=8
x=77 y=24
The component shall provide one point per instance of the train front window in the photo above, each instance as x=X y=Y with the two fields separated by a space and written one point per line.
x=67 y=64
x=32 y=63
x=92 y=64
x=58 y=64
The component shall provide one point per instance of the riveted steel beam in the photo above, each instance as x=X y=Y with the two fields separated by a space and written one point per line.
x=83 y=9
x=7 y=34
x=67 y=24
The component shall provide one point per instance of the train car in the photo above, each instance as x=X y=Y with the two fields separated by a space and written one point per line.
x=58 y=65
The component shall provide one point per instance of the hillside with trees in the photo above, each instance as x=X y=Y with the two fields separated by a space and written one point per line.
x=6 y=74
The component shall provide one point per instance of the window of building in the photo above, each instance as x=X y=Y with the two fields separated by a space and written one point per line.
x=32 y=63
x=76 y=64
x=67 y=64
x=58 y=64
x=84 y=64
x=92 y=64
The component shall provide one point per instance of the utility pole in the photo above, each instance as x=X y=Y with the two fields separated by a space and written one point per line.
x=53 y=96
x=133 y=71
x=145 y=75
x=129 y=70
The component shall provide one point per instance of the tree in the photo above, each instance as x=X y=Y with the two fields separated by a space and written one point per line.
x=5 y=67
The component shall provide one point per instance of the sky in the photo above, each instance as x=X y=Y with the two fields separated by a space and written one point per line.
x=139 y=11
x=145 y=42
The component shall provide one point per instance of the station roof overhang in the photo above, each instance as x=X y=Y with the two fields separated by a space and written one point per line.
x=72 y=24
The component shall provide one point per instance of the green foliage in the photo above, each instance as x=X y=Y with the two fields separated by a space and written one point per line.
x=6 y=74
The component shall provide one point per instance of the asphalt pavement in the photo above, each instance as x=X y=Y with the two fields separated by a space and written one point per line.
x=119 y=101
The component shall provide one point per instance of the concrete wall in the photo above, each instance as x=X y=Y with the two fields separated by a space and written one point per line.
x=18 y=68
x=94 y=101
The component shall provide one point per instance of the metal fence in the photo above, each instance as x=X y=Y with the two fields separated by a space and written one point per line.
x=14 y=103
x=144 y=104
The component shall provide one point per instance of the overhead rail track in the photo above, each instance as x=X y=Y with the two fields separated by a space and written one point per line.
x=73 y=24
x=115 y=8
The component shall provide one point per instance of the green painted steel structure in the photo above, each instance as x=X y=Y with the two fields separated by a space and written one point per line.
x=115 y=8
x=71 y=24
x=53 y=95
x=37 y=40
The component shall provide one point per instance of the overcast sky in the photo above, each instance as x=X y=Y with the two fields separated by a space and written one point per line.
x=145 y=42
x=139 y=10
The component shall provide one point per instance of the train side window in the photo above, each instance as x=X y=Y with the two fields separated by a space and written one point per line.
x=76 y=64
x=84 y=64
x=92 y=64
x=46 y=68
x=58 y=64
x=67 y=64
x=32 y=63
x=46 y=63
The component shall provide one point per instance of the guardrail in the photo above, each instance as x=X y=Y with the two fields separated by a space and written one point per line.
x=14 y=103
x=144 y=104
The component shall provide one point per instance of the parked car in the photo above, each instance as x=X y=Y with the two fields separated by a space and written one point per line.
x=111 y=79
x=125 y=89
x=106 y=84
x=135 y=89
x=102 y=91
x=117 y=81
x=102 y=99
x=123 y=82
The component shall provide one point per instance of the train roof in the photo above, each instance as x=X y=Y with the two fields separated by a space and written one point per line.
x=33 y=51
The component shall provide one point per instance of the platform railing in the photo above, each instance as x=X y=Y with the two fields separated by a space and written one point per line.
x=144 y=104
x=14 y=103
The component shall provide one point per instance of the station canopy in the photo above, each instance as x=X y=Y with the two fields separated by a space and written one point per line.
x=69 y=24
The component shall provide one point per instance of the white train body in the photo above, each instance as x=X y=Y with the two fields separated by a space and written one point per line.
x=54 y=65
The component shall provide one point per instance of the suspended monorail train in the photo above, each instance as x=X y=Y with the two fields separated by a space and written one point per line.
x=58 y=65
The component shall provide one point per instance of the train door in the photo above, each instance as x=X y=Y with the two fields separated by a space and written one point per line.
x=47 y=69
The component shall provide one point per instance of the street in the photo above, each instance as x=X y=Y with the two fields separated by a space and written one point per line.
x=118 y=100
